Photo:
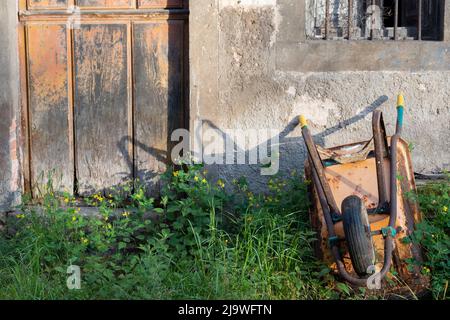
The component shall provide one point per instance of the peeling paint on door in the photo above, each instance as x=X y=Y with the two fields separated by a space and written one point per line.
x=101 y=97
x=158 y=64
x=48 y=99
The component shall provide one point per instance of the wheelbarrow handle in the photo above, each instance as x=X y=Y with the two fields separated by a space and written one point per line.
x=400 y=111
x=317 y=166
x=303 y=122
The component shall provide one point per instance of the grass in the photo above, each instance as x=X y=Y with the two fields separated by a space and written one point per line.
x=202 y=243
x=433 y=234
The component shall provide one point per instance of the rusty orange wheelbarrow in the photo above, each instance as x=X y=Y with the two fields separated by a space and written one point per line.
x=360 y=210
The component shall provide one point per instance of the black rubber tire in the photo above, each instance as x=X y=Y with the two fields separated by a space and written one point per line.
x=358 y=234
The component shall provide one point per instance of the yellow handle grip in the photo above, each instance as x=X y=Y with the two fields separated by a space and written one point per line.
x=303 y=121
x=400 y=101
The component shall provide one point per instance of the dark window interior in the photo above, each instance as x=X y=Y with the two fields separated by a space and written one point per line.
x=432 y=17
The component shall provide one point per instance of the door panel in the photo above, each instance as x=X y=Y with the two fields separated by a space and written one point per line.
x=158 y=54
x=101 y=100
x=49 y=105
x=105 y=3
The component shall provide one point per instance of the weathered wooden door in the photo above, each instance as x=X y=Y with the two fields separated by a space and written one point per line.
x=104 y=83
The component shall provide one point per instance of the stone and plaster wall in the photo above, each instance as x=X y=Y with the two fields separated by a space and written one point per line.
x=9 y=107
x=252 y=67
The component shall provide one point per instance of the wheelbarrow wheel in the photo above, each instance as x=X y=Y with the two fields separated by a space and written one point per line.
x=358 y=234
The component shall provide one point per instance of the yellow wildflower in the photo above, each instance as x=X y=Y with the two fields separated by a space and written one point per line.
x=204 y=180
x=220 y=183
x=84 y=241
x=444 y=208
x=195 y=178
x=176 y=173
x=98 y=197
x=126 y=214
x=66 y=200
x=20 y=216
x=74 y=218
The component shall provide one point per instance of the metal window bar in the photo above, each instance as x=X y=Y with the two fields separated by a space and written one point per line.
x=372 y=21
x=372 y=34
x=350 y=12
x=327 y=18
x=419 y=19
x=396 y=20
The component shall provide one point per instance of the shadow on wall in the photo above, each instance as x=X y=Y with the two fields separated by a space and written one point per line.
x=292 y=150
x=146 y=176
